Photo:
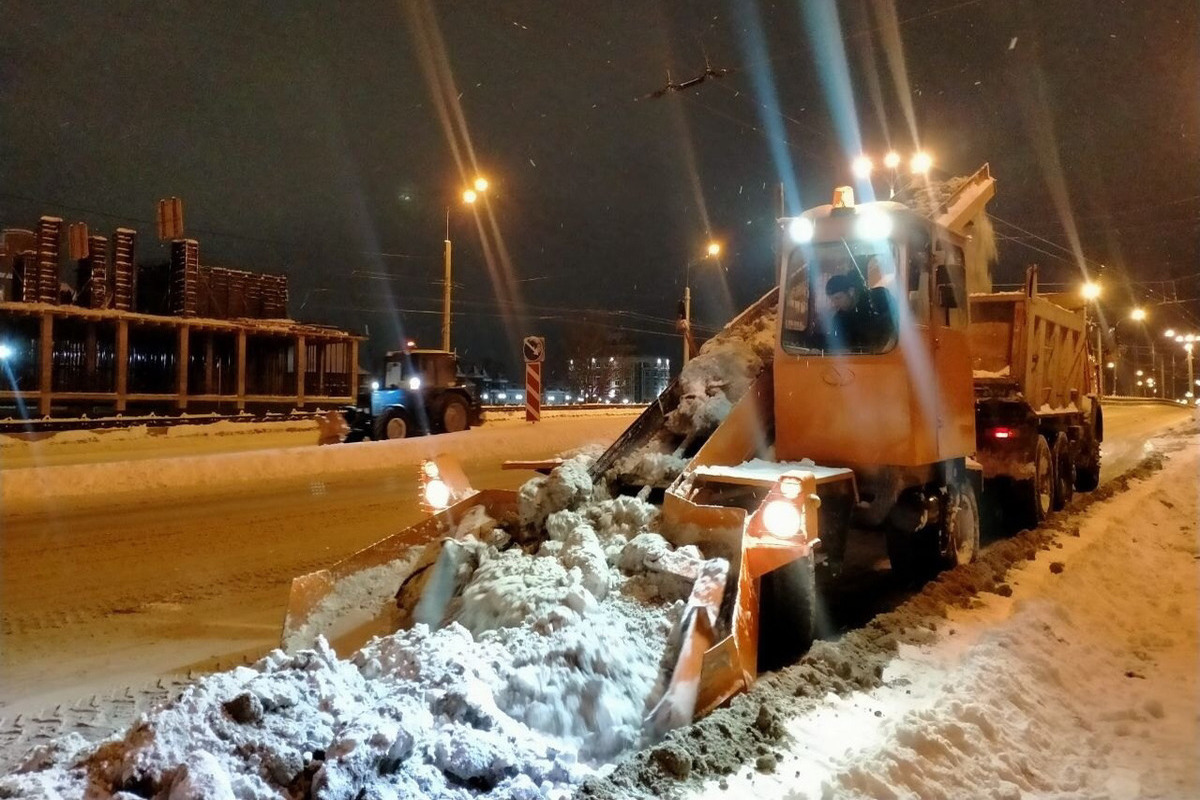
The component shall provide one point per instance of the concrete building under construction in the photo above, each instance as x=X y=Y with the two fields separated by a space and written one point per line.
x=169 y=337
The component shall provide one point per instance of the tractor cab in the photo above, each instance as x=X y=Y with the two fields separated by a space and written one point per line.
x=412 y=369
x=871 y=364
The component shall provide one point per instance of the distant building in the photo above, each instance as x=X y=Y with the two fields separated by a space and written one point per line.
x=618 y=379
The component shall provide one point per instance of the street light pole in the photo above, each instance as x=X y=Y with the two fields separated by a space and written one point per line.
x=469 y=196
x=446 y=287
x=713 y=250
x=1191 y=375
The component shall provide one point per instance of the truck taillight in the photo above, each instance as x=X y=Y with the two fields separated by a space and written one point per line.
x=1003 y=433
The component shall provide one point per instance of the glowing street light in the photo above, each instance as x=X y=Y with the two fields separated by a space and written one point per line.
x=1138 y=315
x=711 y=250
x=921 y=163
x=481 y=184
x=862 y=167
x=470 y=196
x=6 y=351
x=1169 y=333
x=1140 y=373
x=1111 y=365
x=891 y=160
x=1091 y=290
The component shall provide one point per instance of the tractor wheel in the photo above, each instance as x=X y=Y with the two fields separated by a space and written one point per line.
x=1064 y=472
x=787 y=611
x=453 y=415
x=392 y=424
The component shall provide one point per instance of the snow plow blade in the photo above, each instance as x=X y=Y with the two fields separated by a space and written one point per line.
x=308 y=591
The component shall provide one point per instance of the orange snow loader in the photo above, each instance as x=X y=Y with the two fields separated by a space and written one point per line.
x=862 y=416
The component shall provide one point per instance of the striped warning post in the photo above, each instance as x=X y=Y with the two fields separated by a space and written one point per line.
x=533 y=391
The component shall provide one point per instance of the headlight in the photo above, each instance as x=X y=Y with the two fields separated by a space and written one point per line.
x=414 y=383
x=437 y=494
x=801 y=229
x=873 y=225
x=781 y=519
x=374 y=386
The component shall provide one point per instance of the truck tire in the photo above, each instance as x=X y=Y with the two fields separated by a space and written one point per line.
x=453 y=414
x=1034 y=499
x=1087 y=471
x=1064 y=472
x=962 y=530
x=787 y=612
x=392 y=424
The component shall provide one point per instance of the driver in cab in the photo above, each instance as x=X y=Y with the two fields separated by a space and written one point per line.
x=861 y=320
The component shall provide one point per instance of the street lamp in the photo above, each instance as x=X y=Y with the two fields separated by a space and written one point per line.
x=469 y=196
x=1169 y=333
x=921 y=163
x=1138 y=315
x=711 y=250
x=862 y=167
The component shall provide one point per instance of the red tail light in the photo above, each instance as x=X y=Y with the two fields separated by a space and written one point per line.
x=1003 y=433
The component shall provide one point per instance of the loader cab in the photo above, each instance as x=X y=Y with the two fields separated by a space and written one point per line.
x=871 y=364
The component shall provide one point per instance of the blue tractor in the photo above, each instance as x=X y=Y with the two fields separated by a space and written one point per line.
x=419 y=392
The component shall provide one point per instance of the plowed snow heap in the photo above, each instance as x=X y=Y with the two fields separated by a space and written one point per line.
x=551 y=653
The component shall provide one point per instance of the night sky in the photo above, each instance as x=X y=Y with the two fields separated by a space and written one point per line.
x=304 y=137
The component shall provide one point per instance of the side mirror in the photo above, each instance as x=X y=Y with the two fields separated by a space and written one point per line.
x=946 y=298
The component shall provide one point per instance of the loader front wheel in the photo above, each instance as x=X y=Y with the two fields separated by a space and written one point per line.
x=787 y=612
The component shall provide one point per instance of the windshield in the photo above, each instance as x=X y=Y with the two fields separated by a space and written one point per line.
x=839 y=297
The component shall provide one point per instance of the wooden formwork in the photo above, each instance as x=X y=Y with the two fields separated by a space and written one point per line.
x=68 y=360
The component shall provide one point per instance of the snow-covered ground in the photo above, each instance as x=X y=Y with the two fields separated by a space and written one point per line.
x=60 y=448
x=1063 y=665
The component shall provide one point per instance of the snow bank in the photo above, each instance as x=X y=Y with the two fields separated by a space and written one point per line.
x=228 y=473
x=540 y=669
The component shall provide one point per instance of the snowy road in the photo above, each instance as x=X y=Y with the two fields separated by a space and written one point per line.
x=100 y=595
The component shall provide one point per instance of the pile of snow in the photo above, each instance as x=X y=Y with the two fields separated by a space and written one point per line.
x=722 y=372
x=543 y=666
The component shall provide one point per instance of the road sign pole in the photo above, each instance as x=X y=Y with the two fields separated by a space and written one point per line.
x=534 y=350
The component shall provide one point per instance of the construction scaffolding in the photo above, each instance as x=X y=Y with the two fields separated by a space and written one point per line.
x=62 y=360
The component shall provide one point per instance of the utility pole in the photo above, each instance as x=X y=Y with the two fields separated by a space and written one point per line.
x=446 y=287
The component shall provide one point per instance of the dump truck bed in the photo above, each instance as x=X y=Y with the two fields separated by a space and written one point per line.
x=1024 y=342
